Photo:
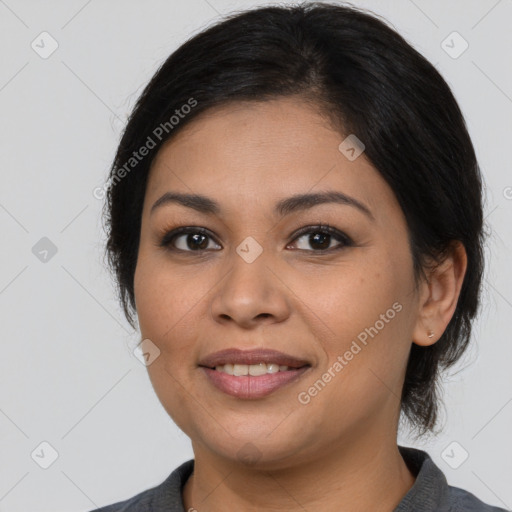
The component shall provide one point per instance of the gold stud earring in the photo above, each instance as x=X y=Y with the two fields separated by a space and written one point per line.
x=431 y=334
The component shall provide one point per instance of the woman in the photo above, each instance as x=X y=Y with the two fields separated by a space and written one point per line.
x=295 y=217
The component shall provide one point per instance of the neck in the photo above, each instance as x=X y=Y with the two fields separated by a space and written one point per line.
x=359 y=476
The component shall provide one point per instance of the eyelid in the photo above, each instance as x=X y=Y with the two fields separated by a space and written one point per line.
x=319 y=227
x=167 y=236
x=336 y=233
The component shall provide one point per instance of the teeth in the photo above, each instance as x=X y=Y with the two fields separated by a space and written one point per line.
x=251 y=369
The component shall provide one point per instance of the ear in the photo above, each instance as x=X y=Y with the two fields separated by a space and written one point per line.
x=439 y=296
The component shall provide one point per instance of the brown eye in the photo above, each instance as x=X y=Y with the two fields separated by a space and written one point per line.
x=320 y=238
x=188 y=239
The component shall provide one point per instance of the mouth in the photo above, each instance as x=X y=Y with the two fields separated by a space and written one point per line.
x=252 y=374
x=252 y=362
x=251 y=387
x=254 y=370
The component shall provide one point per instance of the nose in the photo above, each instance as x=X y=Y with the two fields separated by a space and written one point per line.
x=251 y=294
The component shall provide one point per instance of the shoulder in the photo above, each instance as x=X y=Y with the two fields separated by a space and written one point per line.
x=463 y=501
x=140 y=502
x=165 y=497
x=431 y=492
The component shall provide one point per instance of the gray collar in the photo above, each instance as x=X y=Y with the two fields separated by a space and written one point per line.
x=430 y=492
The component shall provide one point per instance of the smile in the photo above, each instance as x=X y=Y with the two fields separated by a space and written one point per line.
x=255 y=370
x=248 y=386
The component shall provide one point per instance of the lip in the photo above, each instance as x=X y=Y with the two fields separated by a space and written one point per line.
x=255 y=356
x=250 y=387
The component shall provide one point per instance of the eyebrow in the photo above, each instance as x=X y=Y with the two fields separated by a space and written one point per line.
x=282 y=208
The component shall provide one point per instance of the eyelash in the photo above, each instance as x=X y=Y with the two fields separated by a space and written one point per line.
x=326 y=229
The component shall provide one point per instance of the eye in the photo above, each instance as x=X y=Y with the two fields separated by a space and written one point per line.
x=320 y=238
x=197 y=239
x=187 y=239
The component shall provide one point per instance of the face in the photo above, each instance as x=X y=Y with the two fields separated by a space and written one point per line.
x=327 y=282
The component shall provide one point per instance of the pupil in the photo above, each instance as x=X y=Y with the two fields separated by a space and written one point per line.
x=313 y=239
x=196 y=237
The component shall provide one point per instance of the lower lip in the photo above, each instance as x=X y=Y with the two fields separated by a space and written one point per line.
x=248 y=387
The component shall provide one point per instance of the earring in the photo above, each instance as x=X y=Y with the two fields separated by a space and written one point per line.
x=431 y=334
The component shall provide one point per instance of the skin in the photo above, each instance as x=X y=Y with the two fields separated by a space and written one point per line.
x=340 y=448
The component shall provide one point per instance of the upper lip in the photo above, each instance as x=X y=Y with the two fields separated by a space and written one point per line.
x=238 y=356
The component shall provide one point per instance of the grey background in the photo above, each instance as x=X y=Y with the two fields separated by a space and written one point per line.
x=68 y=374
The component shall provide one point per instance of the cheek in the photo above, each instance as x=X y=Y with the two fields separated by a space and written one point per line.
x=351 y=297
x=165 y=309
x=367 y=313
x=172 y=305
x=167 y=298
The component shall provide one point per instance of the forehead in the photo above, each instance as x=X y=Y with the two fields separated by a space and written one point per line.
x=259 y=151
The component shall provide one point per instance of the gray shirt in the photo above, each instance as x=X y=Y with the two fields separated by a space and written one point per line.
x=430 y=492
